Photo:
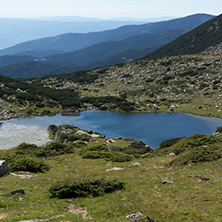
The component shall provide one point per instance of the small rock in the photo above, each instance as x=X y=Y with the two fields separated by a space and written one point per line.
x=216 y=134
x=146 y=155
x=160 y=167
x=23 y=176
x=22 y=191
x=114 y=168
x=3 y=167
x=165 y=182
x=134 y=164
x=135 y=217
x=171 y=154
x=139 y=217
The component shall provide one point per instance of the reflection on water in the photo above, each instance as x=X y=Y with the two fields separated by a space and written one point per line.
x=150 y=128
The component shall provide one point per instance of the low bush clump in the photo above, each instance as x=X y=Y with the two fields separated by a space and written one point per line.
x=219 y=129
x=121 y=157
x=104 y=152
x=80 y=144
x=82 y=188
x=137 y=147
x=27 y=149
x=198 y=155
x=29 y=164
x=96 y=155
x=97 y=147
x=170 y=142
x=55 y=149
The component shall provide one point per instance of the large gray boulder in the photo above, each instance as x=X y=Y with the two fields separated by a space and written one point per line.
x=3 y=167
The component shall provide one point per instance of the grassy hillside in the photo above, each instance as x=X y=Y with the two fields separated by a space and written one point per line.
x=189 y=83
x=152 y=184
x=195 y=41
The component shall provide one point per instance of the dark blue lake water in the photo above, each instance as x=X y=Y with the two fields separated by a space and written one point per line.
x=150 y=128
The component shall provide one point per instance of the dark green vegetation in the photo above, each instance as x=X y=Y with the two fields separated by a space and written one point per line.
x=21 y=98
x=83 y=188
x=195 y=41
x=109 y=103
x=29 y=164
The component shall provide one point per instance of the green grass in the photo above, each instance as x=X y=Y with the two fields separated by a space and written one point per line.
x=188 y=198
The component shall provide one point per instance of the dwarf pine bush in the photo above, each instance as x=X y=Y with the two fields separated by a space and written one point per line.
x=71 y=188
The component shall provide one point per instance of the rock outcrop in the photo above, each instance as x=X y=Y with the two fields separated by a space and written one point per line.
x=3 y=167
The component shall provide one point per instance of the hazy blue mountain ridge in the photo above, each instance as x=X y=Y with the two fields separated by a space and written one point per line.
x=15 y=31
x=74 y=41
x=103 y=54
x=105 y=50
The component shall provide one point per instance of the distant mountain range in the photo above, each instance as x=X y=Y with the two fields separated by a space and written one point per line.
x=75 y=41
x=15 y=31
x=93 y=49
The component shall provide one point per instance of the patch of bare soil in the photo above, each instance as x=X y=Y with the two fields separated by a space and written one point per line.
x=79 y=210
x=3 y=216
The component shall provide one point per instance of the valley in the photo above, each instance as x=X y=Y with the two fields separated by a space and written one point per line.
x=82 y=175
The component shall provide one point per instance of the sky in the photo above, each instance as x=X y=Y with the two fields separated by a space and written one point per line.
x=107 y=9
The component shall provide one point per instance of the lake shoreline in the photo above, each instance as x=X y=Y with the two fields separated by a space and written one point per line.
x=151 y=128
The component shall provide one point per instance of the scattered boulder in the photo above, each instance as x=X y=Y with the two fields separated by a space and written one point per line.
x=216 y=134
x=115 y=169
x=166 y=182
x=22 y=191
x=147 y=155
x=134 y=164
x=3 y=167
x=171 y=154
x=23 y=176
x=139 y=217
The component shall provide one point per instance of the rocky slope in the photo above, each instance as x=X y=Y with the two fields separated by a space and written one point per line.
x=192 y=83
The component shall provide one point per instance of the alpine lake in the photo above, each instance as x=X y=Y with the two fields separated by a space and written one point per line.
x=150 y=128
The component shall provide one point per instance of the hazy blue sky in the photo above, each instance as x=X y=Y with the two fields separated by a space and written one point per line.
x=108 y=8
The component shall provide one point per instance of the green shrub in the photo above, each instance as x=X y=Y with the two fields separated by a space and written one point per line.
x=170 y=142
x=63 y=137
x=99 y=148
x=27 y=149
x=73 y=138
x=137 y=147
x=96 y=155
x=80 y=144
x=219 y=129
x=29 y=164
x=121 y=157
x=197 y=155
x=55 y=149
x=82 y=188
